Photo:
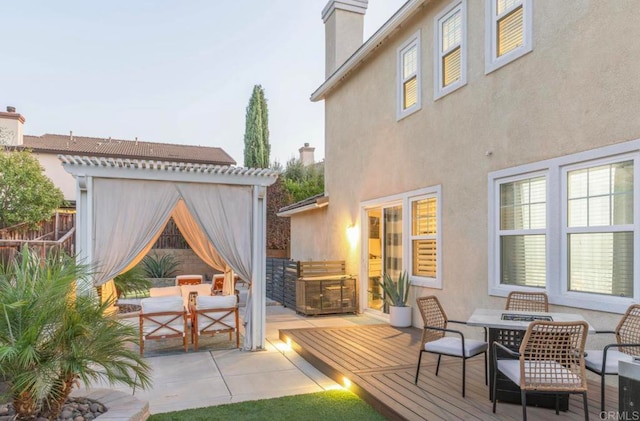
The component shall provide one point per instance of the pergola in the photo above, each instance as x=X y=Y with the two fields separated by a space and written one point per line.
x=123 y=205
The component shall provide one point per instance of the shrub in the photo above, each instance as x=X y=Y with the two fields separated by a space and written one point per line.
x=131 y=282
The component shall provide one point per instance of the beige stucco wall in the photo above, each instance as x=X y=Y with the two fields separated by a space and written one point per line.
x=62 y=179
x=577 y=90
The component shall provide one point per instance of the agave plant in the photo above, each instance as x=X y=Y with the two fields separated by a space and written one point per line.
x=160 y=267
x=52 y=336
x=396 y=293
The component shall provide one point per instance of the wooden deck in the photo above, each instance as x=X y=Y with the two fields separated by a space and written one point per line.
x=380 y=362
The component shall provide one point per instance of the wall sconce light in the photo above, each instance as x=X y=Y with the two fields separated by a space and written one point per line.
x=352 y=235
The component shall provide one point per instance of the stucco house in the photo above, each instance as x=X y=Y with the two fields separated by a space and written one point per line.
x=483 y=146
x=47 y=147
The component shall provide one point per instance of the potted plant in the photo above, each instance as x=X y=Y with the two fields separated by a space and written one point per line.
x=396 y=294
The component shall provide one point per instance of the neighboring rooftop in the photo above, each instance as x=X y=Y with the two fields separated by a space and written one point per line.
x=313 y=202
x=132 y=149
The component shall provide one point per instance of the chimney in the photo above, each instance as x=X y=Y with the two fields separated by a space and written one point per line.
x=306 y=155
x=11 y=124
x=343 y=31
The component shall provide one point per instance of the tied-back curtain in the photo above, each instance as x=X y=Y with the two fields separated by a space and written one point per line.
x=200 y=244
x=128 y=215
x=224 y=215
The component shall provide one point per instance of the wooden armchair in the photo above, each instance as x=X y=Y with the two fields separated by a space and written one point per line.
x=162 y=318
x=527 y=301
x=434 y=340
x=215 y=314
x=627 y=346
x=188 y=280
x=550 y=360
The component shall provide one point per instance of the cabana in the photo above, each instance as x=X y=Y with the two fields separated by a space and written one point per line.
x=123 y=206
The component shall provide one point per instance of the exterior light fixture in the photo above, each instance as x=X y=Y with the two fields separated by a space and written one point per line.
x=352 y=235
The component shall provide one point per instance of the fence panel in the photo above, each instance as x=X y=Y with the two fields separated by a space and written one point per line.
x=281 y=281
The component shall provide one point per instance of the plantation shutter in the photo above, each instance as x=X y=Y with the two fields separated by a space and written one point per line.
x=423 y=233
x=510 y=33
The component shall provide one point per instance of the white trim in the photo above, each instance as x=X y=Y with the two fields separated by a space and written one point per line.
x=454 y=7
x=381 y=36
x=412 y=42
x=492 y=61
x=423 y=281
x=355 y=6
x=167 y=171
x=555 y=170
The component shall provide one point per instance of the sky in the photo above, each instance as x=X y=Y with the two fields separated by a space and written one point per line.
x=169 y=71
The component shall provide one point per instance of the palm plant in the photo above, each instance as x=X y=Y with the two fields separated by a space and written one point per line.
x=50 y=338
x=396 y=293
x=132 y=281
x=160 y=267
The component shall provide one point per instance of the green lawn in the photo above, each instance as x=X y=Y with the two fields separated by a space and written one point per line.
x=332 y=405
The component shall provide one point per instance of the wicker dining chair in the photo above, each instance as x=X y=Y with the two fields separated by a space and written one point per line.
x=627 y=346
x=434 y=340
x=550 y=360
x=527 y=301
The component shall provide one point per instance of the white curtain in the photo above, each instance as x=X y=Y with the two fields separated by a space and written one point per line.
x=128 y=216
x=224 y=213
x=200 y=244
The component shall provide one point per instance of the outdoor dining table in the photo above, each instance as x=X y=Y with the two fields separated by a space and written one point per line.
x=508 y=327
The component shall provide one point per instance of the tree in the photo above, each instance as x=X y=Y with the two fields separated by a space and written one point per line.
x=51 y=337
x=256 y=133
x=26 y=194
x=302 y=182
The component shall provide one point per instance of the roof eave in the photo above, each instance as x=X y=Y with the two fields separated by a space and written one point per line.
x=320 y=203
x=363 y=53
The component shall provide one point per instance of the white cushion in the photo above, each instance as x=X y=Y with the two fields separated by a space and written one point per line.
x=164 y=291
x=561 y=376
x=212 y=303
x=453 y=346
x=160 y=305
x=593 y=360
x=201 y=289
x=188 y=277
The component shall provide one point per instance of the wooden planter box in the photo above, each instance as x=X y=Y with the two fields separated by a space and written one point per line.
x=327 y=295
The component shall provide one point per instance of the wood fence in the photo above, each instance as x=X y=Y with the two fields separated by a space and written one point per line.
x=171 y=238
x=281 y=281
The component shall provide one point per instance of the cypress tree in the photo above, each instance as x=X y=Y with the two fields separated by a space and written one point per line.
x=256 y=133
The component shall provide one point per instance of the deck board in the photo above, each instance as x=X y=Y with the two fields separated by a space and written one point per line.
x=380 y=362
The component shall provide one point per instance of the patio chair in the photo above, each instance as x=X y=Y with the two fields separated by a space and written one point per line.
x=527 y=301
x=188 y=280
x=218 y=284
x=627 y=346
x=434 y=340
x=215 y=314
x=162 y=318
x=165 y=292
x=550 y=360
x=189 y=292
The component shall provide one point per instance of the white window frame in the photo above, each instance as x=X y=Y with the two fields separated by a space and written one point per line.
x=401 y=112
x=439 y=89
x=556 y=170
x=492 y=61
x=406 y=199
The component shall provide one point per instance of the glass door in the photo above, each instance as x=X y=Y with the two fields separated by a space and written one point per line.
x=384 y=250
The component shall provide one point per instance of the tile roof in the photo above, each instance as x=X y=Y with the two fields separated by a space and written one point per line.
x=132 y=149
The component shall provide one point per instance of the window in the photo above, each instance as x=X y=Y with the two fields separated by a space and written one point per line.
x=451 y=50
x=424 y=230
x=599 y=229
x=409 y=95
x=568 y=225
x=508 y=32
x=522 y=232
x=403 y=233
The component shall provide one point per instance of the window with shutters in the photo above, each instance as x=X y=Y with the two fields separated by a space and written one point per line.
x=568 y=225
x=409 y=85
x=450 y=72
x=424 y=240
x=508 y=31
